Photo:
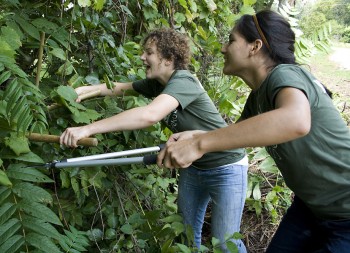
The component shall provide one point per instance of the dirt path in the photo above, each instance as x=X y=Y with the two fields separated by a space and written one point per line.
x=341 y=56
x=333 y=70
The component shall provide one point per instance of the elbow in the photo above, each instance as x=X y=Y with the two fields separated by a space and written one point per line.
x=302 y=129
x=150 y=118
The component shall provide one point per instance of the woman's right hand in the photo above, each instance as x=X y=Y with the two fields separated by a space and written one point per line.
x=71 y=136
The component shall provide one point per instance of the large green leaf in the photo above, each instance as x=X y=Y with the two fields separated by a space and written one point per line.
x=18 y=144
x=45 y=25
x=28 y=157
x=4 y=193
x=6 y=211
x=40 y=211
x=32 y=192
x=11 y=37
x=12 y=244
x=43 y=243
x=39 y=226
x=27 y=27
x=268 y=165
x=84 y=3
x=59 y=53
x=99 y=4
x=4 y=180
x=17 y=171
x=8 y=229
x=4 y=76
x=6 y=50
x=86 y=117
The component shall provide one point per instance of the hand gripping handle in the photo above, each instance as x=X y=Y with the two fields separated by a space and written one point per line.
x=152 y=159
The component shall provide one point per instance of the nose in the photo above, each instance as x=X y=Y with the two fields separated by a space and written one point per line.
x=143 y=56
x=223 y=49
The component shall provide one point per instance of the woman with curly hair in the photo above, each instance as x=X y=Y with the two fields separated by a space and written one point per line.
x=180 y=102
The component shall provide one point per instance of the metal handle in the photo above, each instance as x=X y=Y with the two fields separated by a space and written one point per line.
x=116 y=154
x=95 y=160
x=92 y=163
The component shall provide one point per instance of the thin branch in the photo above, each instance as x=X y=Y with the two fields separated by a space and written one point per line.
x=40 y=58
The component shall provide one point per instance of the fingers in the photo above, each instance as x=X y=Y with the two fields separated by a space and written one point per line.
x=173 y=138
x=160 y=157
x=68 y=138
x=163 y=158
x=168 y=157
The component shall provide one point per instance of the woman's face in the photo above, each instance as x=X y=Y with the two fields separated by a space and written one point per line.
x=156 y=66
x=236 y=52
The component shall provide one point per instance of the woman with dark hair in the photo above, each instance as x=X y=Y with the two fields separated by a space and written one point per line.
x=290 y=113
x=180 y=101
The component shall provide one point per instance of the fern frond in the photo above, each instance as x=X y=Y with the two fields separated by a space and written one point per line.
x=17 y=171
x=42 y=242
x=12 y=244
x=8 y=229
x=40 y=211
x=74 y=241
x=4 y=193
x=32 y=193
x=6 y=211
x=41 y=227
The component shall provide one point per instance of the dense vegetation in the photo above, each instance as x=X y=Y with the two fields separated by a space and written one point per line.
x=47 y=48
x=329 y=12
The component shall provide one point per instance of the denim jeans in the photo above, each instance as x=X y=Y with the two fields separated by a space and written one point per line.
x=226 y=187
x=301 y=232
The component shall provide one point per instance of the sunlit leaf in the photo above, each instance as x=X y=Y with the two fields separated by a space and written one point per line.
x=4 y=180
x=84 y=3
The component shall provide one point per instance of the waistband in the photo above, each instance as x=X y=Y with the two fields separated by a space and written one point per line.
x=243 y=161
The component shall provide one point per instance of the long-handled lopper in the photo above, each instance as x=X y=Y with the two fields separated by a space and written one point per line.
x=103 y=159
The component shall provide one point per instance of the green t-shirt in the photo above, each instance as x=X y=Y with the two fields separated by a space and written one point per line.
x=317 y=166
x=196 y=111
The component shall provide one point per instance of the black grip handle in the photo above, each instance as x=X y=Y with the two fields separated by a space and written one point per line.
x=150 y=159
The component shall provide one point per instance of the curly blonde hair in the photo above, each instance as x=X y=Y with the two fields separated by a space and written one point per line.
x=171 y=45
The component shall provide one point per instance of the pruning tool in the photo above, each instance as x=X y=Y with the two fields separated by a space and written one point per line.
x=104 y=159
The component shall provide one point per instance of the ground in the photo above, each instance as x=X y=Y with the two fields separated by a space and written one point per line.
x=338 y=61
x=341 y=57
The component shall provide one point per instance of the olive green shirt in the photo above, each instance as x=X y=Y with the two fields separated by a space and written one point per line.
x=196 y=111
x=317 y=166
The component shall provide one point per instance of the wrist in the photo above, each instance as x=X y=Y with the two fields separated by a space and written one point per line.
x=200 y=144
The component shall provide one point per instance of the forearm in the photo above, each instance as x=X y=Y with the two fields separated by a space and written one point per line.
x=118 y=89
x=132 y=119
x=266 y=129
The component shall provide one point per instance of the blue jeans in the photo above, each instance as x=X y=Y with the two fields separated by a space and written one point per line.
x=301 y=232
x=226 y=186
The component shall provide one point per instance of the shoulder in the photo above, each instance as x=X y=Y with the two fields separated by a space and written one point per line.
x=185 y=78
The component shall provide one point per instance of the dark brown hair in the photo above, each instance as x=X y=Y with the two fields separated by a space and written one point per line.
x=171 y=45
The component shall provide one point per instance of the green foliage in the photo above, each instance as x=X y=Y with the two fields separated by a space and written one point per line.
x=317 y=16
x=86 y=42
x=265 y=175
x=346 y=35
x=26 y=220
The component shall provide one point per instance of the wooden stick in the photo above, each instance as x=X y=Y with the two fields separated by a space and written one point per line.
x=89 y=142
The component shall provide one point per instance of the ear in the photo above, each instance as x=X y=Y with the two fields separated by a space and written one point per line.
x=169 y=62
x=255 y=47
